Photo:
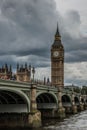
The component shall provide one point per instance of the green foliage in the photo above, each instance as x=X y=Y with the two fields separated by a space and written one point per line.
x=77 y=89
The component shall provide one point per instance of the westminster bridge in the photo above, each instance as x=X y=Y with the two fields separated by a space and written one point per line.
x=35 y=100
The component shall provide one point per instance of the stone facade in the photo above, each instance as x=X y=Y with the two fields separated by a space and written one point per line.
x=23 y=73
x=6 y=72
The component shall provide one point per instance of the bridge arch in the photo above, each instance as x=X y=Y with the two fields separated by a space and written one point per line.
x=46 y=100
x=66 y=100
x=76 y=99
x=82 y=100
x=85 y=101
x=16 y=99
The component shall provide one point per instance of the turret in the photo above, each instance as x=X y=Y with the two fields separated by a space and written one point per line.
x=23 y=73
x=6 y=72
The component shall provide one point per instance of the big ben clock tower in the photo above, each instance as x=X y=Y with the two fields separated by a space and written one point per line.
x=57 y=61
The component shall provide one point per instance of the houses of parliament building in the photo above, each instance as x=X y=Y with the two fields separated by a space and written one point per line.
x=23 y=73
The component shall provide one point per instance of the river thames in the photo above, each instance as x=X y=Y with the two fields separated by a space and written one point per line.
x=75 y=122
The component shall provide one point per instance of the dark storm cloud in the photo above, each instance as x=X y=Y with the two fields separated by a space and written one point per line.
x=28 y=27
x=25 y=27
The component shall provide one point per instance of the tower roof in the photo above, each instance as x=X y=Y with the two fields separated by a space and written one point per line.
x=57 y=39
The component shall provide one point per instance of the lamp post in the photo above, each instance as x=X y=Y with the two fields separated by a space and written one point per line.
x=33 y=72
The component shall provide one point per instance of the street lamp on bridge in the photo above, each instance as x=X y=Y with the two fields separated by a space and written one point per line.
x=33 y=72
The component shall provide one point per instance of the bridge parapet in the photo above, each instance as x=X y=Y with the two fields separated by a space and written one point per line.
x=48 y=88
x=14 y=83
x=67 y=104
x=47 y=105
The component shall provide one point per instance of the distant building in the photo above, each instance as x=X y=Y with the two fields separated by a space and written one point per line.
x=23 y=73
x=6 y=72
x=71 y=86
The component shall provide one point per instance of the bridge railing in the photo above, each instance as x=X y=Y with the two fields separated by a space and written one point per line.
x=66 y=91
x=70 y=91
x=77 y=103
x=46 y=105
x=67 y=104
x=15 y=83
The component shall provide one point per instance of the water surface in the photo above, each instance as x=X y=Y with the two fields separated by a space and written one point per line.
x=75 y=122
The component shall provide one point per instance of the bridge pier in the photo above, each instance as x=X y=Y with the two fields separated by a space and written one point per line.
x=61 y=109
x=81 y=105
x=68 y=110
x=74 y=107
x=35 y=115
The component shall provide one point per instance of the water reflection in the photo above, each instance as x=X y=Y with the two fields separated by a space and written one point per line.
x=75 y=122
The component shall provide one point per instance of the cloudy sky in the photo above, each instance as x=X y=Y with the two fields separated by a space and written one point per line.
x=27 y=29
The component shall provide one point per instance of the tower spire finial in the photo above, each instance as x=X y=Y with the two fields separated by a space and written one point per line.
x=57 y=34
x=57 y=31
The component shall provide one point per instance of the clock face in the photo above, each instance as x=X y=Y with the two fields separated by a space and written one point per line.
x=56 y=53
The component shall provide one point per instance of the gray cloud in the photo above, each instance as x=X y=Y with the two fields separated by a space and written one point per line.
x=76 y=73
x=28 y=27
x=74 y=42
x=25 y=28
